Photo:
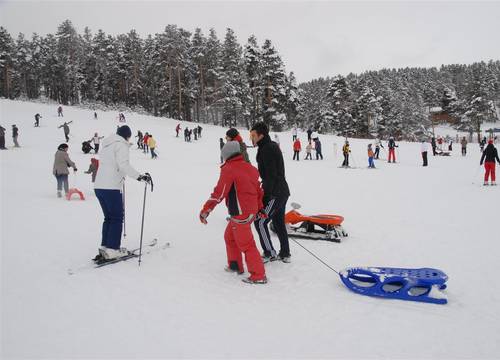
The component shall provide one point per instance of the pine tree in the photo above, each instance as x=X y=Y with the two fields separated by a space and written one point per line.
x=6 y=63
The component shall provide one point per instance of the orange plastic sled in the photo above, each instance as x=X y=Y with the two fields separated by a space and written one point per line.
x=74 y=191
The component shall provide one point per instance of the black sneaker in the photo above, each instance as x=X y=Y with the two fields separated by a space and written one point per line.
x=286 y=259
x=229 y=270
x=271 y=258
x=250 y=281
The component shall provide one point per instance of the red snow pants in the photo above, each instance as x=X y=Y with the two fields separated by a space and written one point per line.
x=239 y=239
x=489 y=168
x=392 y=154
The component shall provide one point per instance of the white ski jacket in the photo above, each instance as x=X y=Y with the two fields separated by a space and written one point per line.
x=114 y=163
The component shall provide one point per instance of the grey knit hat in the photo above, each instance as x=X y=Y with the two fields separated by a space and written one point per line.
x=230 y=149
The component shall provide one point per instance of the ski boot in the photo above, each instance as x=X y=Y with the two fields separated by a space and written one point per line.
x=249 y=280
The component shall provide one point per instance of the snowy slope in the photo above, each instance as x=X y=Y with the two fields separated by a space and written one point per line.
x=181 y=304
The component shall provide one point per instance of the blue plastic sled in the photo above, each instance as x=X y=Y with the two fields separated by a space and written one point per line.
x=423 y=285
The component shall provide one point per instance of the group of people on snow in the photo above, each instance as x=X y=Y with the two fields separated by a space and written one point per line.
x=146 y=143
x=15 y=136
x=189 y=133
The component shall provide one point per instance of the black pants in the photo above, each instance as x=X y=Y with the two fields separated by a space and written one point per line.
x=2 y=142
x=294 y=137
x=433 y=150
x=296 y=155
x=424 y=157
x=346 y=160
x=275 y=208
x=319 y=155
x=66 y=136
x=96 y=148
x=464 y=151
x=309 y=156
x=377 y=153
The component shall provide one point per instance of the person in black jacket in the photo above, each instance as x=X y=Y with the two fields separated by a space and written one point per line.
x=276 y=192
x=490 y=154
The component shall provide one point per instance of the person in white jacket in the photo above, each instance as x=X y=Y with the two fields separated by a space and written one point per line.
x=114 y=166
x=424 y=148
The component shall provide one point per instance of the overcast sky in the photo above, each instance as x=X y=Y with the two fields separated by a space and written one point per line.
x=314 y=38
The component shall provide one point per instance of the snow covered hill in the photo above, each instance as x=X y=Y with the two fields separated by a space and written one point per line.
x=181 y=304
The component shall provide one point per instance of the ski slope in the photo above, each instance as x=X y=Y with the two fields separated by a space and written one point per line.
x=181 y=304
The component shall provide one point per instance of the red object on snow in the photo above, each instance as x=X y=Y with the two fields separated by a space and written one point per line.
x=74 y=191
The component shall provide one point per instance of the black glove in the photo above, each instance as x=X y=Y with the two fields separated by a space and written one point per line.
x=145 y=177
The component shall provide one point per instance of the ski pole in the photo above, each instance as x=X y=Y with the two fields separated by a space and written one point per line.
x=123 y=201
x=315 y=256
x=143 y=211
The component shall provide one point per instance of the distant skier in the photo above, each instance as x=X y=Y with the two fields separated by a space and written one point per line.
x=114 y=165
x=96 y=141
x=378 y=145
x=450 y=146
x=490 y=154
x=186 y=134
x=93 y=167
x=434 y=146
x=308 y=151
x=15 y=135
x=371 y=154
x=463 y=142
x=392 y=150
x=121 y=117
x=482 y=144
x=239 y=184
x=2 y=138
x=60 y=111
x=309 y=133
x=424 y=148
x=317 y=147
x=152 y=146
x=221 y=144
x=139 y=137
x=276 y=193
x=86 y=147
x=297 y=148
x=233 y=135
x=345 y=151
x=95 y=115
x=199 y=131
x=37 y=120
x=177 y=129
x=65 y=127
x=60 y=169
x=195 y=133
x=294 y=133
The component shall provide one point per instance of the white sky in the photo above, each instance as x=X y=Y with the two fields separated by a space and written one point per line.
x=314 y=38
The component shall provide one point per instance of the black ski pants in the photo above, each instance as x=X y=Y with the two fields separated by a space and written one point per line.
x=275 y=209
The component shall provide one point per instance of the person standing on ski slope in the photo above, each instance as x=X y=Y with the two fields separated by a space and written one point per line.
x=297 y=148
x=139 y=137
x=199 y=131
x=195 y=133
x=186 y=134
x=490 y=154
x=317 y=147
x=309 y=133
x=60 y=111
x=93 y=167
x=60 y=169
x=177 y=129
x=96 y=140
x=434 y=146
x=239 y=185
x=15 y=135
x=276 y=192
x=2 y=138
x=482 y=144
x=145 y=139
x=371 y=154
x=345 y=151
x=152 y=146
x=392 y=149
x=66 y=129
x=37 y=120
x=308 y=151
x=233 y=135
x=463 y=142
x=294 y=133
x=221 y=144
x=378 y=145
x=114 y=165
x=424 y=148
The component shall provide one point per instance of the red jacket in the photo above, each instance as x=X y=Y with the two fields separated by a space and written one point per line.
x=145 y=139
x=297 y=146
x=239 y=184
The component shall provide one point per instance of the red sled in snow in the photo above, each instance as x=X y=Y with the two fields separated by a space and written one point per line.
x=74 y=191
x=314 y=227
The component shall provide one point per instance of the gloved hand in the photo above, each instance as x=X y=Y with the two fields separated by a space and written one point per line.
x=145 y=177
x=203 y=216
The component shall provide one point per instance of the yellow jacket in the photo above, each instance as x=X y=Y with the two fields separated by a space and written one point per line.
x=151 y=143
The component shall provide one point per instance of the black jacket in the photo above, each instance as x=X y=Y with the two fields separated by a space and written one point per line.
x=271 y=169
x=490 y=153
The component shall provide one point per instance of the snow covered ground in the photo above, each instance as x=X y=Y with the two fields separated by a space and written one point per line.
x=181 y=304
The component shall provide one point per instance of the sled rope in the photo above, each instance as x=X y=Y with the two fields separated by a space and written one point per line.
x=317 y=258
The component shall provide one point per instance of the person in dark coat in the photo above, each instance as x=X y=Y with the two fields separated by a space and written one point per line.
x=434 y=146
x=490 y=154
x=309 y=133
x=15 y=135
x=37 y=120
x=139 y=137
x=2 y=138
x=86 y=147
x=199 y=131
x=66 y=130
x=317 y=147
x=276 y=192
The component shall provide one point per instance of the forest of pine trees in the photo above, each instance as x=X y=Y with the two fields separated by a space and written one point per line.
x=201 y=78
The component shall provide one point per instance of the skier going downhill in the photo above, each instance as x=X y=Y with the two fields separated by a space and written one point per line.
x=239 y=185
x=114 y=165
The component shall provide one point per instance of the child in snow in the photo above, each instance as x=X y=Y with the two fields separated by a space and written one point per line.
x=371 y=154
x=309 y=151
x=60 y=169
x=424 y=148
x=145 y=139
x=490 y=154
x=378 y=145
x=60 y=111
x=345 y=151
x=392 y=150
x=234 y=135
x=37 y=120
x=152 y=146
x=93 y=167
x=297 y=148
x=239 y=185
x=96 y=140
x=15 y=135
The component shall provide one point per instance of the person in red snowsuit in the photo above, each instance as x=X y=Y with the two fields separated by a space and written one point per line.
x=239 y=185
x=297 y=148
x=177 y=129
x=490 y=154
